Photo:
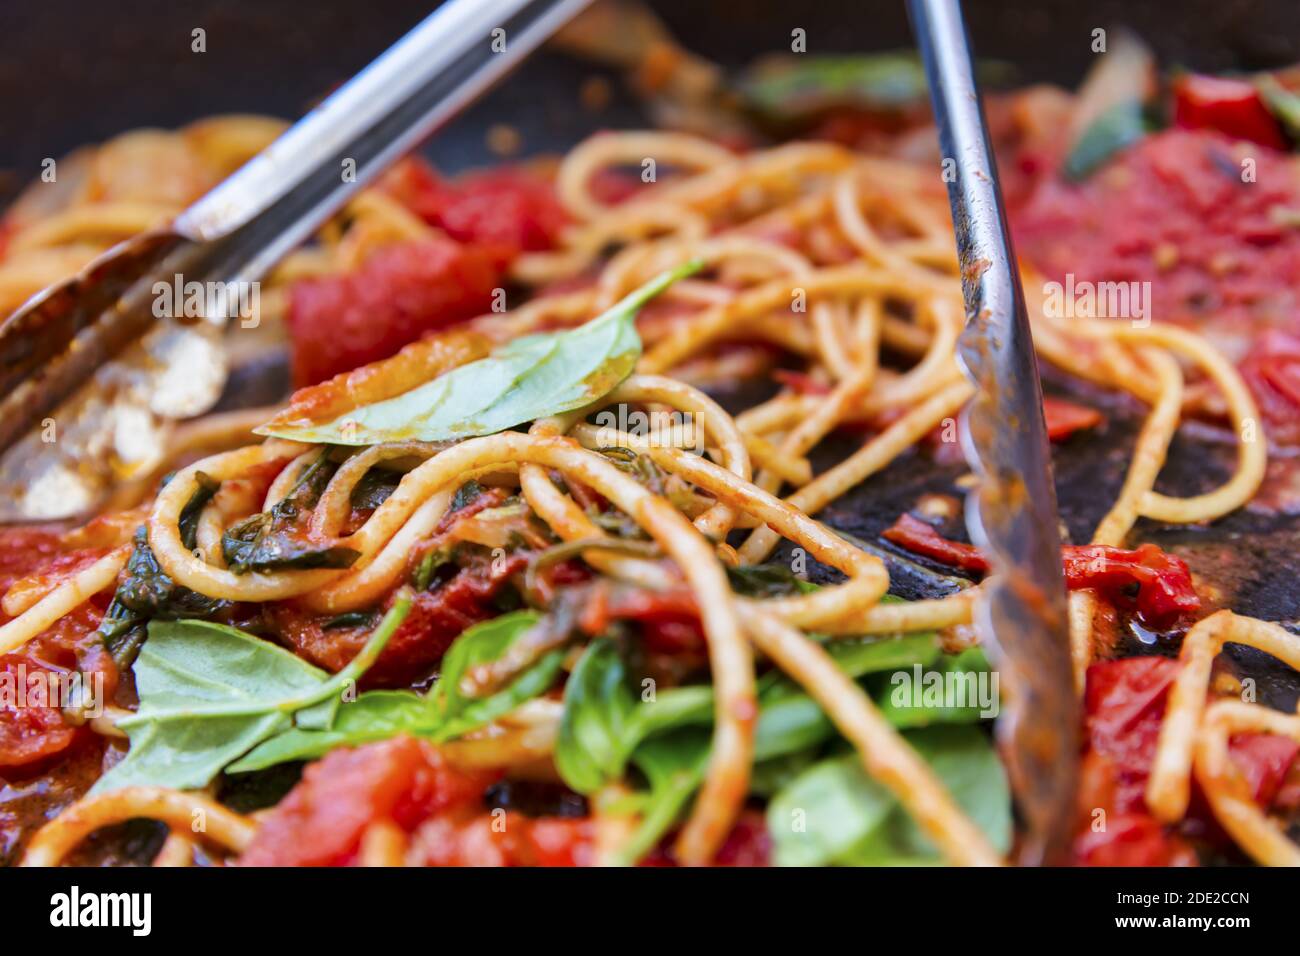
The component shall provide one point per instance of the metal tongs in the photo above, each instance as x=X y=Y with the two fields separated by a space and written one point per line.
x=53 y=346
x=1011 y=513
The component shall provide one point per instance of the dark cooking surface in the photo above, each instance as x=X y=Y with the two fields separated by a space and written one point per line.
x=77 y=71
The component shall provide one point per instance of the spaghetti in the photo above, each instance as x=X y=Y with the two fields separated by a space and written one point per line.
x=839 y=260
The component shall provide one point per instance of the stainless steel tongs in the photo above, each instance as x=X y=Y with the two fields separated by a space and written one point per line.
x=57 y=345
x=1011 y=514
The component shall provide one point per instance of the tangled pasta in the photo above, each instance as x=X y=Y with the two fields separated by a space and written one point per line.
x=844 y=262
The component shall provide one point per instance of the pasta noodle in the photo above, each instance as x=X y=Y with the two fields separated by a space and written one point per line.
x=896 y=289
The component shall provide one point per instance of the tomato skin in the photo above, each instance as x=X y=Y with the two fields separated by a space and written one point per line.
x=409 y=783
x=1272 y=371
x=435 y=620
x=669 y=620
x=29 y=734
x=1065 y=418
x=322 y=820
x=509 y=210
x=399 y=294
x=920 y=537
x=1164 y=582
x=1230 y=106
x=1124 y=706
x=1165 y=591
x=1173 y=210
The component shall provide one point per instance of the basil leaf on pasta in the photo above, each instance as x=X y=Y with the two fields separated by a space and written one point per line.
x=453 y=712
x=210 y=693
x=374 y=715
x=833 y=813
x=528 y=378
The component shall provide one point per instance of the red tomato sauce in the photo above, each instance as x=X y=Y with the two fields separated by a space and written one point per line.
x=1174 y=210
x=1156 y=585
x=31 y=733
x=1124 y=706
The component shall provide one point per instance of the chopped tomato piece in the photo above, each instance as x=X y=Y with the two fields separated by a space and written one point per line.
x=507 y=839
x=1233 y=107
x=400 y=293
x=28 y=733
x=1133 y=839
x=1182 y=211
x=1155 y=584
x=670 y=620
x=322 y=820
x=1272 y=371
x=410 y=784
x=436 y=619
x=34 y=557
x=1124 y=705
x=1264 y=760
x=1065 y=418
x=922 y=538
x=1163 y=582
x=509 y=210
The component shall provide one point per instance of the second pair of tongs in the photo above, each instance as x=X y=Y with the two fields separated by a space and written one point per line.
x=57 y=341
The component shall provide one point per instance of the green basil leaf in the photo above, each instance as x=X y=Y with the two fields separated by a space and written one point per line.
x=788 y=87
x=1114 y=130
x=602 y=732
x=598 y=704
x=456 y=714
x=674 y=766
x=210 y=693
x=445 y=713
x=833 y=813
x=147 y=591
x=374 y=715
x=1282 y=102
x=529 y=378
x=766 y=581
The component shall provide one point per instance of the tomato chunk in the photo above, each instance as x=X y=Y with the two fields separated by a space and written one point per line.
x=1124 y=707
x=669 y=620
x=1233 y=107
x=508 y=210
x=506 y=839
x=410 y=784
x=401 y=293
x=1183 y=211
x=1155 y=584
x=1272 y=371
x=1065 y=418
x=435 y=620
x=322 y=820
